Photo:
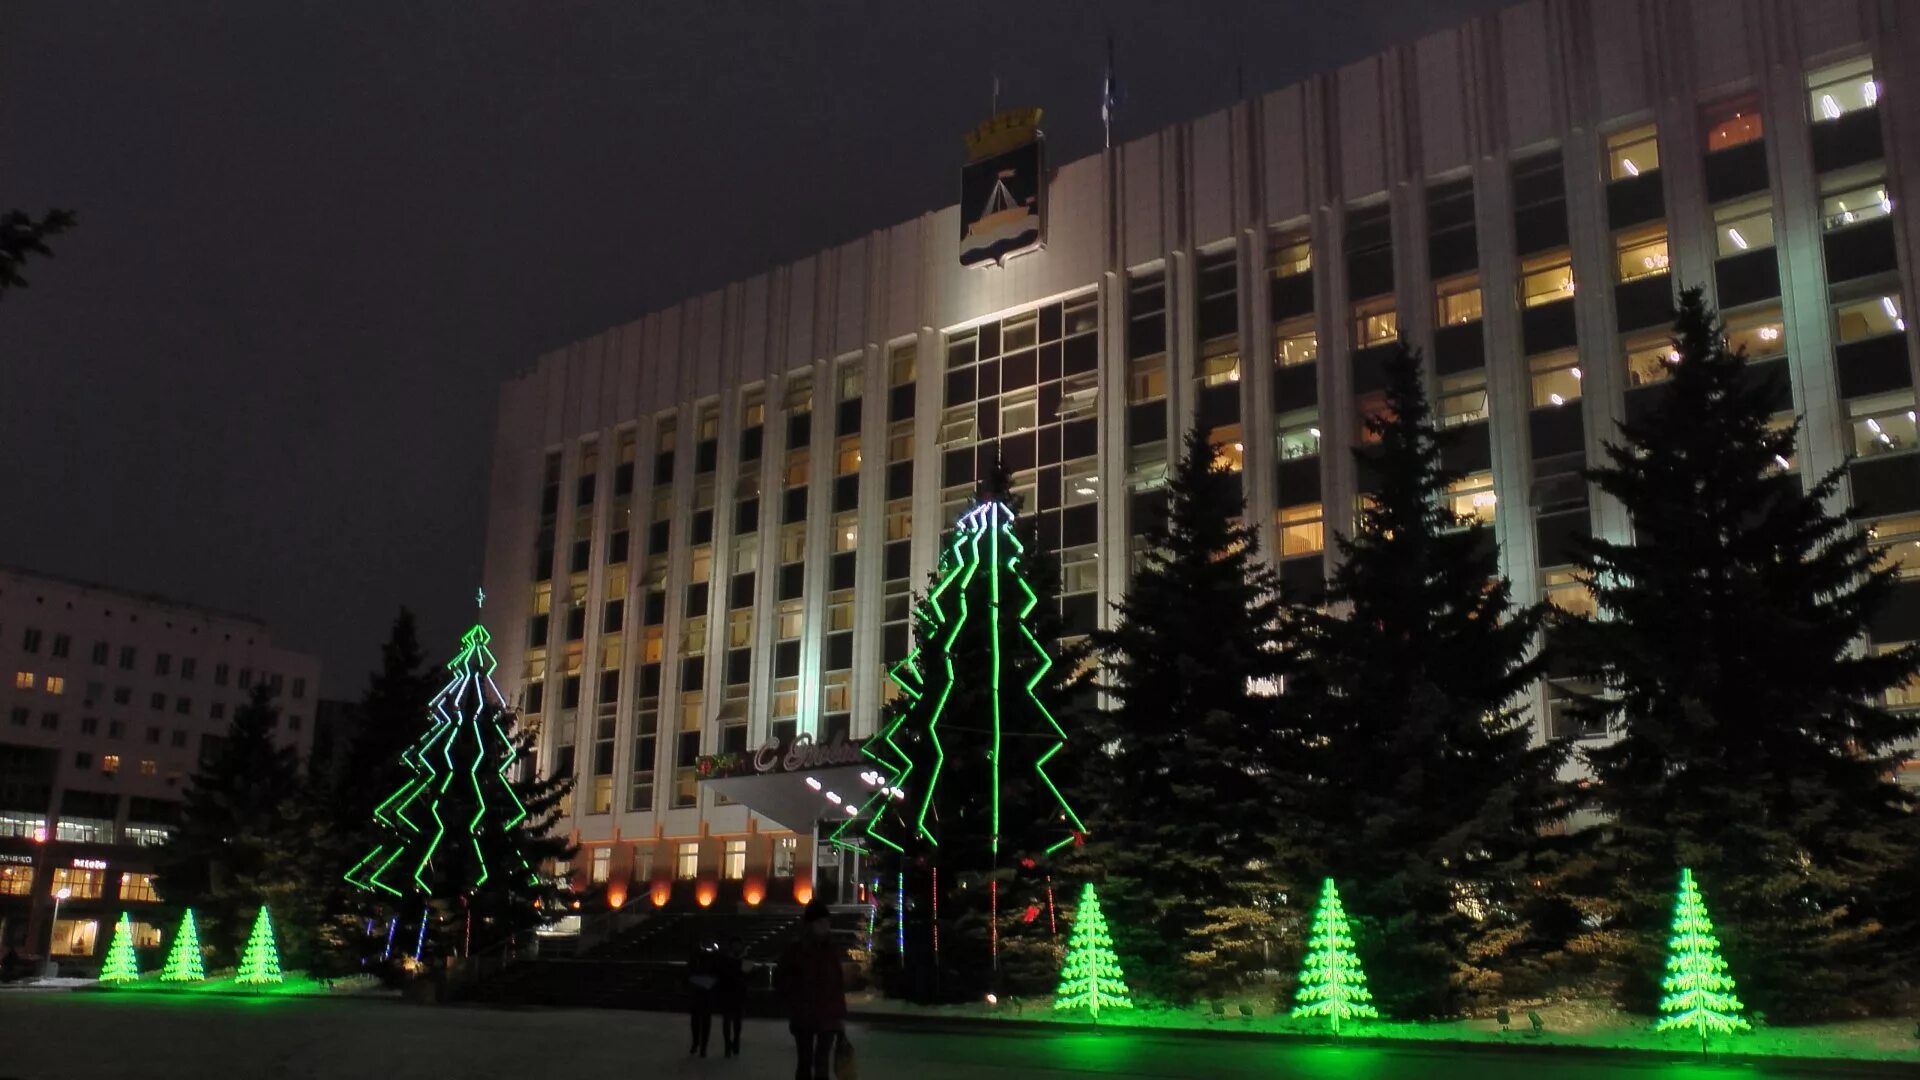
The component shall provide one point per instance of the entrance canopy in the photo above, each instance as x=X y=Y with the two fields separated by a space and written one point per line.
x=796 y=783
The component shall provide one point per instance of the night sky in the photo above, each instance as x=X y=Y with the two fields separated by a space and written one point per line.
x=315 y=236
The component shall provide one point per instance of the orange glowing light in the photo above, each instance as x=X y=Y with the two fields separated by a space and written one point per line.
x=616 y=896
x=705 y=892
x=803 y=891
x=753 y=891
x=661 y=892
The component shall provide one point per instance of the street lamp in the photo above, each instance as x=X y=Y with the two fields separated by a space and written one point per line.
x=53 y=931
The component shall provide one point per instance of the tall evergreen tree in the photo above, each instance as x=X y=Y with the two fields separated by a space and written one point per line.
x=1749 y=745
x=234 y=822
x=1434 y=789
x=1197 y=800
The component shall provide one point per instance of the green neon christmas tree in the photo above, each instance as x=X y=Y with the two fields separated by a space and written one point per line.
x=1699 y=990
x=184 y=963
x=1331 y=982
x=120 y=965
x=260 y=962
x=1091 y=978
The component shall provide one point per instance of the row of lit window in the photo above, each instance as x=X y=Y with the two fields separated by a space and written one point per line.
x=79 y=883
x=61 y=648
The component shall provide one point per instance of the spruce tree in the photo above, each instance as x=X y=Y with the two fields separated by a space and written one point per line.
x=1197 y=800
x=1748 y=742
x=1434 y=789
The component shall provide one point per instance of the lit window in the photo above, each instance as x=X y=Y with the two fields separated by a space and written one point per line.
x=1642 y=252
x=1472 y=499
x=1567 y=592
x=956 y=425
x=1836 y=90
x=1291 y=255
x=1375 y=322
x=1546 y=278
x=902 y=365
x=56 y=684
x=850 y=381
x=23 y=680
x=686 y=861
x=1854 y=196
x=846 y=456
x=799 y=462
x=1298 y=434
x=789 y=619
x=110 y=763
x=733 y=865
x=1760 y=333
x=137 y=887
x=1220 y=365
x=1556 y=378
x=793 y=542
x=1463 y=398
x=1295 y=342
x=899 y=519
x=739 y=628
x=846 y=531
x=149 y=767
x=1146 y=379
x=1882 y=424
x=839 y=691
x=16 y=880
x=900 y=441
x=1897 y=539
x=1732 y=123
x=800 y=393
x=1457 y=300
x=1080 y=482
x=1229 y=450
x=652 y=644
x=1650 y=358
x=840 y=610
x=700 y=564
x=74 y=937
x=83 y=884
x=693 y=635
x=1746 y=225
x=786 y=849
x=1632 y=152
x=1868 y=318
x=1302 y=530
x=600 y=865
x=1373 y=412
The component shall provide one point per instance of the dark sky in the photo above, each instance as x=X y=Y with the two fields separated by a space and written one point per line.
x=315 y=236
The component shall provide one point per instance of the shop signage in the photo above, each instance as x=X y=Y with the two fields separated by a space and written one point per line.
x=800 y=754
x=89 y=864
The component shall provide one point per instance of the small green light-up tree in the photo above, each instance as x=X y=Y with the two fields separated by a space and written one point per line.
x=120 y=965
x=260 y=963
x=184 y=962
x=1699 y=992
x=1331 y=982
x=1091 y=979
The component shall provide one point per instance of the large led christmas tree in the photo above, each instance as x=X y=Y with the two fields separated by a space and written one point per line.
x=1091 y=978
x=120 y=965
x=184 y=962
x=260 y=961
x=1331 y=981
x=1699 y=990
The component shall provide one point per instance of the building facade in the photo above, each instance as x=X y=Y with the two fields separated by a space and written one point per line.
x=110 y=699
x=706 y=524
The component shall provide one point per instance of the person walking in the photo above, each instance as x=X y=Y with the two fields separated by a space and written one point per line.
x=814 y=989
x=703 y=976
x=731 y=990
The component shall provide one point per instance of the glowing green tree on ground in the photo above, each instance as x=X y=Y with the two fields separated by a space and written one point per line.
x=1091 y=978
x=184 y=963
x=1331 y=982
x=1699 y=990
x=260 y=963
x=120 y=965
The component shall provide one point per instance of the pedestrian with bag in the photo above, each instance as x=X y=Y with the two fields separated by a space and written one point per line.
x=814 y=989
x=703 y=977
x=732 y=993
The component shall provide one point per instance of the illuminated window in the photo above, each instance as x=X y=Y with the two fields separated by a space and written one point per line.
x=1302 y=530
x=56 y=684
x=110 y=763
x=902 y=365
x=1463 y=398
x=16 y=880
x=1297 y=434
x=75 y=937
x=1230 y=451
x=753 y=408
x=957 y=425
x=147 y=835
x=799 y=462
x=14 y=823
x=1556 y=378
x=652 y=644
x=1854 y=196
x=1295 y=342
x=1836 y=90
x=1375 y=322
x=693 y=635
x=1457 y=300
x=600 y=865
x=1220 y=365
x=789 y=619
x=846 y=456
x=149 y=767
x=1632 y=152
x=840 y=610
x=1472 y=499
x=137 y=887
x=1546 y=278
x=800 y=393
x=733 y=864
x=1868 y=318
x=846 y=531
x=1882 y=424
x=1641 y=252
x=686 y=861
x=849 y=380
x=1731 y=123
x=1292 y=254
x=84 y=883
x=1897 y=539
x=1567 y=592
x=793 y=542
x=1147 y=379
x=1080 y=482
x=1650 y=358
x=23 y=680
x=900 y=441
x=786 y=850
x=739 y=628
x=1373 y=412
x=700 y=564
x=1762 y=333
x=1746 y=225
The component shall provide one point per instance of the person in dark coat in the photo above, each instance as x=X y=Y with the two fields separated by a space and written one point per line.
x=703 y=976
x=814 y=989
x=731 y=992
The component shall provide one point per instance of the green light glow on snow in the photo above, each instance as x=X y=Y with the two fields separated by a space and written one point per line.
x=1699 y=990
x=184 y=963
x=120 y=965
x=1091 y=978
x=260 y=962
x=1331 y=981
